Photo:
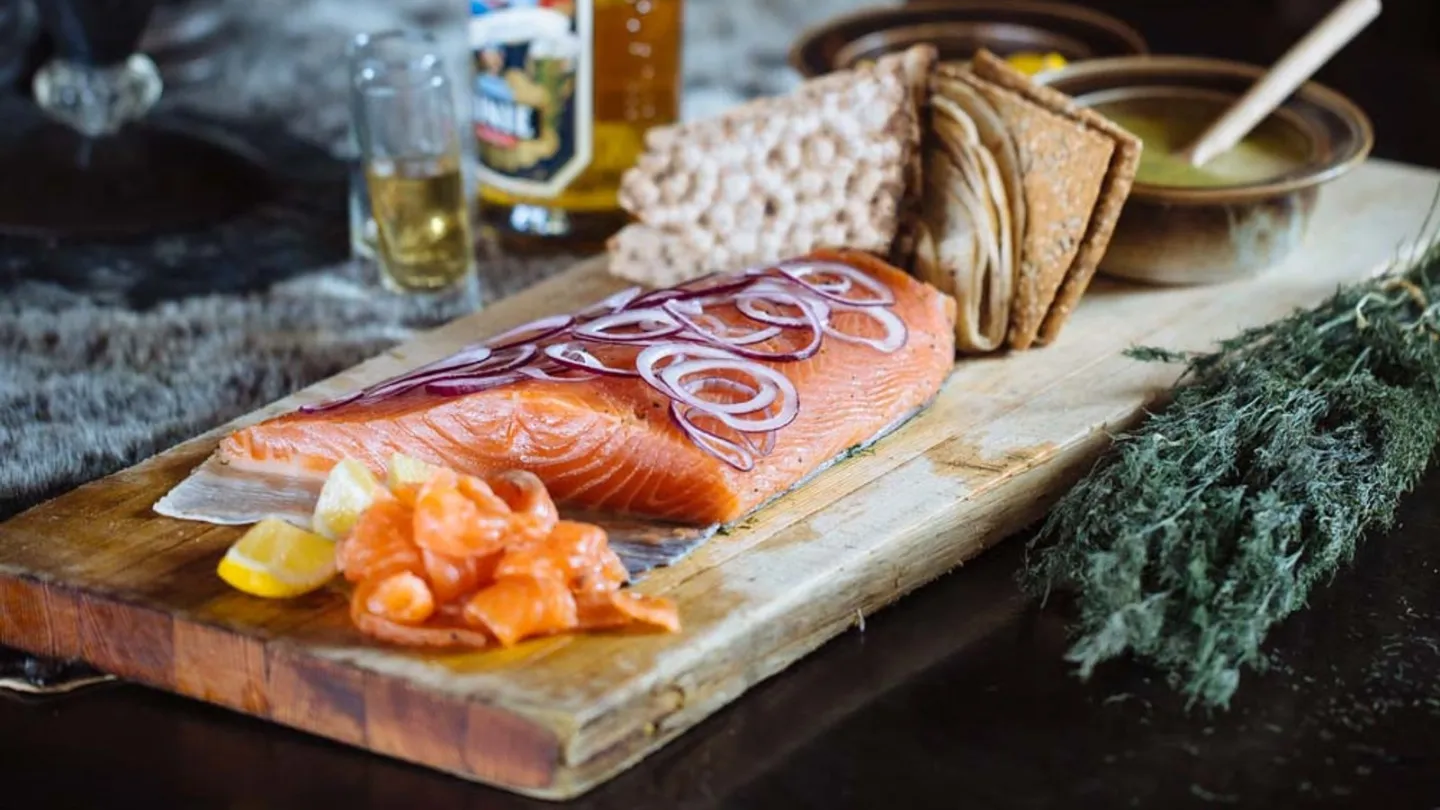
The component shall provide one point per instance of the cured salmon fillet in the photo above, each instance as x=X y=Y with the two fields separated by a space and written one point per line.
x=611 y=444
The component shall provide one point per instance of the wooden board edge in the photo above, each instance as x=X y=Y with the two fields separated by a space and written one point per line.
x=469 y=739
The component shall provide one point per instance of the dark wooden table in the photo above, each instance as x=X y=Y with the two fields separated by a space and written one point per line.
x=955 y=697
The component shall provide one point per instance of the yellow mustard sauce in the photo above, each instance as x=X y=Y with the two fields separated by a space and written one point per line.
x=1272 y=150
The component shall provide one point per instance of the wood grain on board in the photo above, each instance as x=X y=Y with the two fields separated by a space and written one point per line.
x=95 y=574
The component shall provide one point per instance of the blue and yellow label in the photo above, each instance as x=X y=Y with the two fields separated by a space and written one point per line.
x=532 y=92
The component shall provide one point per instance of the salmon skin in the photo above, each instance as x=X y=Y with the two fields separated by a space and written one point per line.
x=619 y=444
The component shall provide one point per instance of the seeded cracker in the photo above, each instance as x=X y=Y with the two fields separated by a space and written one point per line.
x=1104 y=207
x=1063 y=165
x=833 y=164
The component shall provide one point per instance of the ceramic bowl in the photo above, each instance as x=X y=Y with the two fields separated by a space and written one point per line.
x=961 y=27
x=1188 y=235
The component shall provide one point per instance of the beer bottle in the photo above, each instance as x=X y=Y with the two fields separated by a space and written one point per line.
x=563 y=92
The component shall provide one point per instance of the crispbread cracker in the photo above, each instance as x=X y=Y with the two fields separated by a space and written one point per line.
x=1114 y=185
x=1064 y=165
x=831 y=165
x=968 y=207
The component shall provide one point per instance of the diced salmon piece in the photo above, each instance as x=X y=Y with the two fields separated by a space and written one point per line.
x=516 y=608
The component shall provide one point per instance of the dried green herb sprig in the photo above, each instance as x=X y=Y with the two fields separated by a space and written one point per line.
x=1201 y=529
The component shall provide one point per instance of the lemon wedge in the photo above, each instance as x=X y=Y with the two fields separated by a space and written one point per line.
x=405 y=470
x=348 y=491
x=277 y=560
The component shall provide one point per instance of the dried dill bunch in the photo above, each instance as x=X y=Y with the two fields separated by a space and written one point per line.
x=1203 y=528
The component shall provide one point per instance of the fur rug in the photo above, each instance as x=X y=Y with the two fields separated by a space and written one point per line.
x=88 y=386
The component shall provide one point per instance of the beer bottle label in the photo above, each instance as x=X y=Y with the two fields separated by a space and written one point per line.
x=532 y=95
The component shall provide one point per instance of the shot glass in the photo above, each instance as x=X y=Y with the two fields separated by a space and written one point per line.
x=410 y=149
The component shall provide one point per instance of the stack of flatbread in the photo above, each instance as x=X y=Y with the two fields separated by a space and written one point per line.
x=1000 y=192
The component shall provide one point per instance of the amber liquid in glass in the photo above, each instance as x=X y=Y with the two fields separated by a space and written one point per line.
x=636 y=86
x=422 y=221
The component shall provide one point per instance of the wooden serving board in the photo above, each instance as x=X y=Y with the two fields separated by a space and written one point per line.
x=97 y=575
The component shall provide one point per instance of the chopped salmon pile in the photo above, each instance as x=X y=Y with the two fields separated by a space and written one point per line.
x=463 y=561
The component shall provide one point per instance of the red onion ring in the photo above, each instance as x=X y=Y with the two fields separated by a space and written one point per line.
x=765 y=444
x=686 y=361
x=648 y=361
x=572 y=354
x=799 y=271
x=688 y=313
x=760 y=397
x=460 y=386
x=727 y=451
x=550 y=374
x=748 y=303
x=684 y=293
x=532 y=332
x=895 y=332
x=674 y=374
x=653 y=323
x=609 y=305
x=471 y=360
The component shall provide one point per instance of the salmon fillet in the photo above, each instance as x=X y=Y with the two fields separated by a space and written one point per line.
x=610 y=444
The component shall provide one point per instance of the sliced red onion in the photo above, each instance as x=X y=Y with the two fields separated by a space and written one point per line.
x=556 y=372
x=727 y=285
x=750 y=301
x=760 y=397
x=614 y=303
x=727 y=451
x=469 y=361
x=651 y=359
x=686 y=361
x=573 y=354
x=895 y=332
x=655 y=298
x=497 y=362
x=800 y=272
x=814 y=313
x=474 y=353
x=674 y=375
x=652 y=325
x=761 y=444
x=694 y=282
x=460 y=386
x=331 y=404
x=685 y=349
x=692 y=315
x=532 y=332
x=731 y=284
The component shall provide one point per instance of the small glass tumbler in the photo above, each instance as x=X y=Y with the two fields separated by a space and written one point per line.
x=410 y=149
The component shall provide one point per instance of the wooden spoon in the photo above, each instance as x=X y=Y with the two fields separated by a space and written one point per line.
x=1297 y=65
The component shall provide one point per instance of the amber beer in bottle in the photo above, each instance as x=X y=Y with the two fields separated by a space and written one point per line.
x=562 y=94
